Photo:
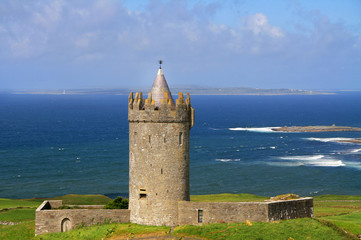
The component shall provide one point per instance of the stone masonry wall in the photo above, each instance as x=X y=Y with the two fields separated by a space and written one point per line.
x=158 y=159
x=48 y=220
x=215 y=212
x=291 y=209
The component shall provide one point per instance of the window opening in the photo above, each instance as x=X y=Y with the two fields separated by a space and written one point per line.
x=180 y=138
x=200 y=215
x=135 y=138
x=143 y=193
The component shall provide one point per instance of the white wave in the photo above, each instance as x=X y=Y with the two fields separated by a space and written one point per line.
x=313 y=160
x=303 y=158
x=259 y=129
x=329 y=139
x=356 y=150
x=272 y=147
x=228 y=160
x=356 y=165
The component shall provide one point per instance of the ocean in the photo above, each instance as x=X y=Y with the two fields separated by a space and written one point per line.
x=52 y=145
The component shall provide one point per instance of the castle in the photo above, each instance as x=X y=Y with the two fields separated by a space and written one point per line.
x=159 y=137
x=159 y=130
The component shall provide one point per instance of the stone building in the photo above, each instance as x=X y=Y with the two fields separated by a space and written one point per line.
x=159 y=131
x=159 y=136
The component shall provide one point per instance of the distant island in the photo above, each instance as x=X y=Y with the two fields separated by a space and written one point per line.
x=191 y=90
x=332 y=128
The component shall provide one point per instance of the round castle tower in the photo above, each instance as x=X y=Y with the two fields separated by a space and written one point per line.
x=159 y=130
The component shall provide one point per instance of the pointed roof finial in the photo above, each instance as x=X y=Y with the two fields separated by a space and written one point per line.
x=160 y=64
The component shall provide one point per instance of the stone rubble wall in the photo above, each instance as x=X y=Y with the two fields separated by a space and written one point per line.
x=219 y=212
x=290 y=209
x=48 y=220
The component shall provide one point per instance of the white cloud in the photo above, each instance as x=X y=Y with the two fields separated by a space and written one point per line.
x=258 y=24
x=86 y=31
x=48 y=15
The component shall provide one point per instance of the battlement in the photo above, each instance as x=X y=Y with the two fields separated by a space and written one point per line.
x=144 y=110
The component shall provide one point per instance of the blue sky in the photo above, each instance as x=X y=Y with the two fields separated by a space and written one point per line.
x=61 y=44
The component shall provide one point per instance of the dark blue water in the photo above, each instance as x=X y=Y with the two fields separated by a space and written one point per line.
x=52 y=145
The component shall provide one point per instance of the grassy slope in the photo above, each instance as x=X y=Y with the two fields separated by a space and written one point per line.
x=103 y=231
x=25 y=213
x=346 y=215
x=11 y=203
x=228 y=197
x=305 y=228
x=75 y=199
x=328 y=197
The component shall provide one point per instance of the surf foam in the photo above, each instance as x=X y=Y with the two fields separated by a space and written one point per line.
x=312 y=160
x=259 y=129
x=329 y=139
x=228 y=160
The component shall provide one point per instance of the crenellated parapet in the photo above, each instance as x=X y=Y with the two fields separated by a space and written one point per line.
x=144 y=110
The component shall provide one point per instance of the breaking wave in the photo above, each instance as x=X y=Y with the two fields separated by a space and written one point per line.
x=259 y=129
x=329 y=139
x=307 y=160
x=356 y=150
x=228 y=160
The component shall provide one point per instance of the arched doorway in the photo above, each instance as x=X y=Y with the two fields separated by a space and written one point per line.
x=65 y=225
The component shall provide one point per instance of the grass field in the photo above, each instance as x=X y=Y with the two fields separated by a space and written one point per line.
x=333 y=215
x=228 y=197
x=305 y=228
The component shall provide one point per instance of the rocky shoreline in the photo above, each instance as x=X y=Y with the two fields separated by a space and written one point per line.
x=332 y=128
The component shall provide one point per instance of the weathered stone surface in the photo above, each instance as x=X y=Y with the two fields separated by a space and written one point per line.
x=290 y=209
x=218 y=212
x=48 y=220
x=158 y=163
x=215 y=212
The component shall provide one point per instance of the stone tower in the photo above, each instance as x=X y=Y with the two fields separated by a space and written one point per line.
x=159 y=130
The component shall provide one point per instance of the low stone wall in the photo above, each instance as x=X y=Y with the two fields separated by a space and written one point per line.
x=194 y=213
x=49 y=220
x=215 y=212
x=290 y=209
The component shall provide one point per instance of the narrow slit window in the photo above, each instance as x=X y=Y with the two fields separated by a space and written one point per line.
x=200 y=215
x=143 y=193
x=161 y=171
x=180 y=138
x=149 y=139
x=135 y=138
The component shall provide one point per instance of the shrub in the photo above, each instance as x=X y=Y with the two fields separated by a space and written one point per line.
x=118 y=203
x=288 y=196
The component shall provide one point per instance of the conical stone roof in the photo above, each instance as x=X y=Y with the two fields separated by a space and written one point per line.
x=160 y=90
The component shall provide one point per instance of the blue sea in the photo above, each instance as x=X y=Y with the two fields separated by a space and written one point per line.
x=52 y=145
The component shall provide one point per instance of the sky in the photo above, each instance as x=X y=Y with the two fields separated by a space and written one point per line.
x=296 y=44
